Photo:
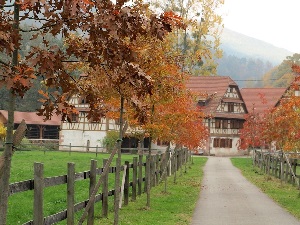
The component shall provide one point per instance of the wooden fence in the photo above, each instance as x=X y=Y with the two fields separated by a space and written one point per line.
x=284 y=166
x=160 y=165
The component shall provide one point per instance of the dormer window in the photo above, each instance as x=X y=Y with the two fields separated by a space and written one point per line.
x=202 y=102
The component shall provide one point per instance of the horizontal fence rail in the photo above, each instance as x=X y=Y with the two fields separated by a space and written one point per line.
x=160 y=165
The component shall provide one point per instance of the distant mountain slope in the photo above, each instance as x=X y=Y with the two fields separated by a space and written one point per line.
x=240 y=45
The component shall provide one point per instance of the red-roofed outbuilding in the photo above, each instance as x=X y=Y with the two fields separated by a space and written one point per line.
x=37 y=128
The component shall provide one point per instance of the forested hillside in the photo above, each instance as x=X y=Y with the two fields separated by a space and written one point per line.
x=245 y=71
x=282 y=75
x=247 y=60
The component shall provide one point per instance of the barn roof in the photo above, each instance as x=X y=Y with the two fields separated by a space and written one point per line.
x=32 y=118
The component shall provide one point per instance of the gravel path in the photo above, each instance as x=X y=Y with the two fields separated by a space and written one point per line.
x=227 y=198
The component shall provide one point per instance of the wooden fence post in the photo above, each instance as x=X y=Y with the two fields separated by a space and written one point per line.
x=38 y=210
x=148 y=179
x=169 y=164
x=105 y=193
x=273 y=164
x=140 y=152
x=134 y=178
x=281 y=166
x=180 y=160
x=175 y=165
x=152 y=169
x=126 y=184
x=185 y=160
x=157 y=160
x=140 y=175
x=294 y=169
x=286 y=170
x=70 y=147
x=88 y=146
x=276 y=168
x=70 y=193
x=162 y=165
x=93 y=174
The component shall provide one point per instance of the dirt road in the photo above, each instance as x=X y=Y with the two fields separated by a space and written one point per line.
x=227 y=198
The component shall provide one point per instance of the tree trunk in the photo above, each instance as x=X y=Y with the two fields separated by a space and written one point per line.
x=148 y=169
x=118 y=166
x=7 y=154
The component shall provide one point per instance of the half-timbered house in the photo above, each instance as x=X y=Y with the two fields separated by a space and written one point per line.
x=221 y=100
x=81 y=131
x=85 y=135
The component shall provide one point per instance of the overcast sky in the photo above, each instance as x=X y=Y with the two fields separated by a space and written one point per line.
x=273 y=21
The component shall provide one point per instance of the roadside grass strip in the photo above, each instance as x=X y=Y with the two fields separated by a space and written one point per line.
x=286 y=195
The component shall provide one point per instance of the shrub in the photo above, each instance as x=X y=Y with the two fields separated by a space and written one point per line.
x=109 y=141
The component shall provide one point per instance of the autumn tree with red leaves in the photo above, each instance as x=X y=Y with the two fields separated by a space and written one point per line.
x=171 y=107
x=279 y=126
x=252 y=134
x=106 y=33
x=282 y=123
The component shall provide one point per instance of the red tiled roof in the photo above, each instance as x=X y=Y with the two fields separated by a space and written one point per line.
x=215 y=86
x=32 y=118
x=261 y=98
x=210 y=84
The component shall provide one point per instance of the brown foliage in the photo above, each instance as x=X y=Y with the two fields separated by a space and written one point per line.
x=107 y=34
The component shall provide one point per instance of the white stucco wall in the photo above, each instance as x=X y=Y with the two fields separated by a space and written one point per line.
x=81 y=138
x=234 y=151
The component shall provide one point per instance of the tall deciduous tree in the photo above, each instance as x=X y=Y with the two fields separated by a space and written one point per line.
x=279 y=126
x=283 y=122
x=252 y=134
x=199 y=43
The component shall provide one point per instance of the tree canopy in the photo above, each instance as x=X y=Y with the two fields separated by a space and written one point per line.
x=282 y=75
x=277 y=127
x=198 y=44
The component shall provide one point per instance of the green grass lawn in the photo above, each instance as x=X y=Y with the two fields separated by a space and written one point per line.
x=55 y=164
x=174 y=207
x=286 y=195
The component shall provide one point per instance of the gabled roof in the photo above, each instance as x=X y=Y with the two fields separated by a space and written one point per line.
x=31 y=118
x=261 y=99
x=210 y=84
x=214 y=87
